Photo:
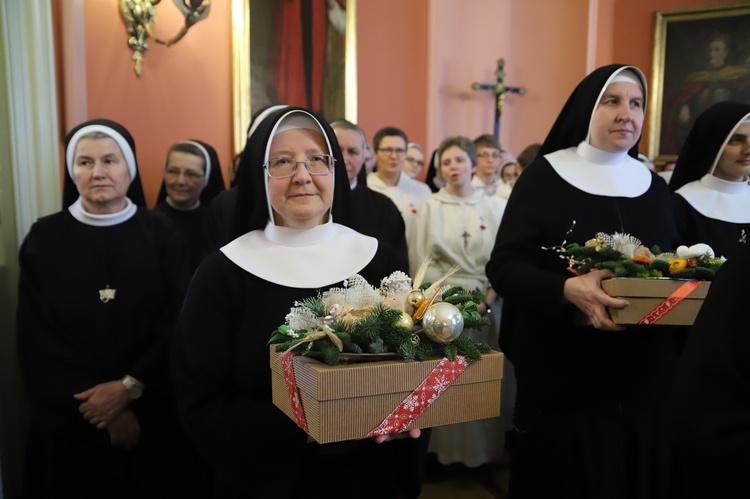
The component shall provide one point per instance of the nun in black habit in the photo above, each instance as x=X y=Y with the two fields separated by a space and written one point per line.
x=187 y=190
x=591 y=400
x=213 y=179
x=291 y=241
x=711 y=413
x=101 y=283
x=217 y=230
x=711 y=195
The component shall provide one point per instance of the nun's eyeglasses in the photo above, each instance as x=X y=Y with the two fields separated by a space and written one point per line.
x=172 y=172
x=283 y=167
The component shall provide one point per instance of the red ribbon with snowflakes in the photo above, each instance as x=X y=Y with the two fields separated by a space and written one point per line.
x=287 y=365
x=670 y=302
x=442 y=377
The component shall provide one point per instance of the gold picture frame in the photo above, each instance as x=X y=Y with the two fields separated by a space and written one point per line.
x=701 y=56
x=249 y=75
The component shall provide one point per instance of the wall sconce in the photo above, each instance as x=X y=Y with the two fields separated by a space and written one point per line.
x=140 y=16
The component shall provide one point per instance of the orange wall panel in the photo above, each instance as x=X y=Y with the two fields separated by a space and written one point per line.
x=184 y=92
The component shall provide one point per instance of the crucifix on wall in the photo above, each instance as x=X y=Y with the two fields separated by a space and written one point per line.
x=500 y=90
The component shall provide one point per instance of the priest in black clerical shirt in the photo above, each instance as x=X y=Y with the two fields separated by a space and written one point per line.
x=376 y=214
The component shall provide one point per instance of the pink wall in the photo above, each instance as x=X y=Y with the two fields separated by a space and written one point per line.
x=392 y=55
x=547 y=55
x=468 y=38
x=425 y=88
x=417 y=60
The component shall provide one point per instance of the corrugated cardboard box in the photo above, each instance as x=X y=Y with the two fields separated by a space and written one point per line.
x=347 y=401
x=645 y=295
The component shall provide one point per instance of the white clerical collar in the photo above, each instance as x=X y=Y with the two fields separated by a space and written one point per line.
x=490 y=188
x=403 y=178
x=353 y=185
x=599 y=172
x=718 y=199
x=79 y=213
x=180 y=208
x=302 y=258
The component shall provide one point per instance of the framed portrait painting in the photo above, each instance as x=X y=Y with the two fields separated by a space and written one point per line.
x=295 y=52
x=701 y=56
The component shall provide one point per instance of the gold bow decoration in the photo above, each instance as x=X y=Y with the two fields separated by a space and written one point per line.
x=140 y=16
x=319 y=334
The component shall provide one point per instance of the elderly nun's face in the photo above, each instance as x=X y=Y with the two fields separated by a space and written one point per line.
x=618 y=119
x=302 y=200
x=184 y=178
x=101 y=175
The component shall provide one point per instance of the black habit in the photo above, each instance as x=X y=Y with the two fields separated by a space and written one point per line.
x=190 y=223
x=591 y=405
x=377 y=216
x=711 y=414
x=70 y=340
x=221 y=355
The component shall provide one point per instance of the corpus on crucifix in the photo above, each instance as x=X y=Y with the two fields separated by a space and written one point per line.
x=500 y=90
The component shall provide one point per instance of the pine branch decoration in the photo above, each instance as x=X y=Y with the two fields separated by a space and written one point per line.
x=329 y=328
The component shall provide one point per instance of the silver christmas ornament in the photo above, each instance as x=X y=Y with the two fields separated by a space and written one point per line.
x=443 y=322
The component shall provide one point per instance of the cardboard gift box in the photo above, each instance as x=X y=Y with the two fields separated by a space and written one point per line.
x=348 y=401
x=656 y=301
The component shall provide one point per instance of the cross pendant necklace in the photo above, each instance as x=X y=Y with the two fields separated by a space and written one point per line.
x=466 y=237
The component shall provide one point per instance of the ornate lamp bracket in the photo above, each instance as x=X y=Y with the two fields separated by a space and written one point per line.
x=140 y=16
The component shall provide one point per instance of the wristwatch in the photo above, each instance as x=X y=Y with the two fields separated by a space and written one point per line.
x=134 y=389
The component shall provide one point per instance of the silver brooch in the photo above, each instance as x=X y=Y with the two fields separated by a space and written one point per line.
x=107 y=294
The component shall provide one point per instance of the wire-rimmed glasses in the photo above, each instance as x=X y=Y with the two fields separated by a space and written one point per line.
x=286 y=166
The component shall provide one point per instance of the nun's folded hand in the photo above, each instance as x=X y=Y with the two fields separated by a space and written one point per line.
x=397 y=436
x=586 y=293
x=100 y=404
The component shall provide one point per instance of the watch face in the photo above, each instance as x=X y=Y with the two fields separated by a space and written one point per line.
x=134 y=390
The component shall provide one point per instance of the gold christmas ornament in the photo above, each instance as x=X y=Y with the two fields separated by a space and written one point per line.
x=414 y=299
x=405 y=321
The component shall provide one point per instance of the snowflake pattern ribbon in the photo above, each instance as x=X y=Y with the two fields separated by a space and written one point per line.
x=442 y=377
x=399 y=420
x=287 y=365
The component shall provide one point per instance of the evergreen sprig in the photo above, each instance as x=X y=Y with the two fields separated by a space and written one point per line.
x=583 y=259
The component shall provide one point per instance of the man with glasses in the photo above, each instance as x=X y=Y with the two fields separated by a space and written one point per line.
x=376 y=215
x=389 y=178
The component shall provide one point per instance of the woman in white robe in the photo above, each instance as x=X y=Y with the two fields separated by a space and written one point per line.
x=457 y=226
